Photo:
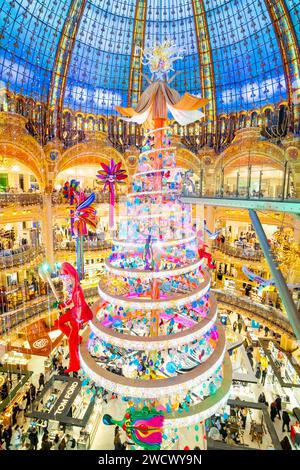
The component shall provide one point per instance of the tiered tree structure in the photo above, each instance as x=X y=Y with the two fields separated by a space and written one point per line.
x=155 y=340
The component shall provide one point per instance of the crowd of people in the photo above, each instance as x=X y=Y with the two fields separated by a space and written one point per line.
x=19 y=190
x=58 y=195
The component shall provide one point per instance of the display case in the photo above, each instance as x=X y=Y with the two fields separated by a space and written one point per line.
x=16 y=360
x=229 y=285
x=87 y=434
x=282 y=362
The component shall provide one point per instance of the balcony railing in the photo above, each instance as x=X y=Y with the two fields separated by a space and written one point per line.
x=21 y=315
x=58 y=199
x=12 y=258
x=21 y=199
x=87 y=246
x=266 y=313
x=250 y=183
x=245 y=252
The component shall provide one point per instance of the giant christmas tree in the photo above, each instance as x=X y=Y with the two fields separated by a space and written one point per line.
x=155 y=340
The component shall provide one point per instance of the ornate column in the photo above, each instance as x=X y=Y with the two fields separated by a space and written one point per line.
x=62 y=60
x=47 y=228
x=289 y=48
x=206 y=68
x=210 y=223
x=53 y=152
x=138 y=39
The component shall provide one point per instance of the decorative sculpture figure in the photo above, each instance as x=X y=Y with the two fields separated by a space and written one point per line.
x=77 y=314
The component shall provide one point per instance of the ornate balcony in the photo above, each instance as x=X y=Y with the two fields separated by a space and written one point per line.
x=239 y=252
x=87 y=246
x=20 y=199
x=19 y=317
x=270 y=316
x=19 y=256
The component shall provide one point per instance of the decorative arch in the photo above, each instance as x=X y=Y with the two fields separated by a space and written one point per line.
x=187 y=159
x=16 y=143
x=247 y=145
x=88 y=153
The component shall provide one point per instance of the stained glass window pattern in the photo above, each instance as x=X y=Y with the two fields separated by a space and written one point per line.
x=246 y=56
x=99 y=69
x=30 y=31
x=173 y=19
x=293 y=7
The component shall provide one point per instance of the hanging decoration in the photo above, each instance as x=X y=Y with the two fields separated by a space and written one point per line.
x=144 y=427
x=211 y=235
x=84 y=215
x=110 y=176
x=75 y=317
x=70 y=189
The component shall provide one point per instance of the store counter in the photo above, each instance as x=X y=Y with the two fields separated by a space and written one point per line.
x=282 y=366
x=295 y=434
x=68 y=409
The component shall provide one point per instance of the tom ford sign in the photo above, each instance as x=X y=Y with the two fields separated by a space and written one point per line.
x=60 y=410
x=66 y=399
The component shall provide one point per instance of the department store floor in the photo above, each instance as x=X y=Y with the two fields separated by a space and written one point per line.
x=190 y=436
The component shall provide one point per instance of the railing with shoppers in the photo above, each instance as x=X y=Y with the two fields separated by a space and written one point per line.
x=266 y=313
x=18 y=256
x=87 y=245
x=244 y=252
x=22 y=314
x=22 y=199
x=246 y=184
x=101 y=197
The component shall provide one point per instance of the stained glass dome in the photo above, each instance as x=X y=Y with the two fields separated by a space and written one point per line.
x=93 y=48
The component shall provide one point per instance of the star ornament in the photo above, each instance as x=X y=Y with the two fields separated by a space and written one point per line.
x=84 y=215
x=111 y=174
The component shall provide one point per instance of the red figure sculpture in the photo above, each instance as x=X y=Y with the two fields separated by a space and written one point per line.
x=78 y=313
x=204 y=254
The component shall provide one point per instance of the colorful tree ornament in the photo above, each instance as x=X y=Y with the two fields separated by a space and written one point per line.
x=70 y=189
x=110 y=176
x=75 y=317
x=144 y=427
x=84 y=215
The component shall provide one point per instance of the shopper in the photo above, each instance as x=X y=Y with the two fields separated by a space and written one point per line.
x=223 y=431
x=21 y=414
x=46 y=444
x=62 y=445
x=234 y=326
x=250 y=355
x=41 y=381
x=258 y=371
x=17 y=437
x=286 y=421
x=117 y=440
x=262 y=399
x=15 y=411
x=54 y=362
x=56 y=442
x=243 y=415
x=7 y=435
x=28 y=401
x=263 y=376
x=273 y=411
x=266 y=331
x=33 y=439
x=240 y=326
x=32 y=391
x=278 y=406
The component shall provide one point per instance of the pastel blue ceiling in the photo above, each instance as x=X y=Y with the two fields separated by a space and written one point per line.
x=29 y=35
x=246 y=58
